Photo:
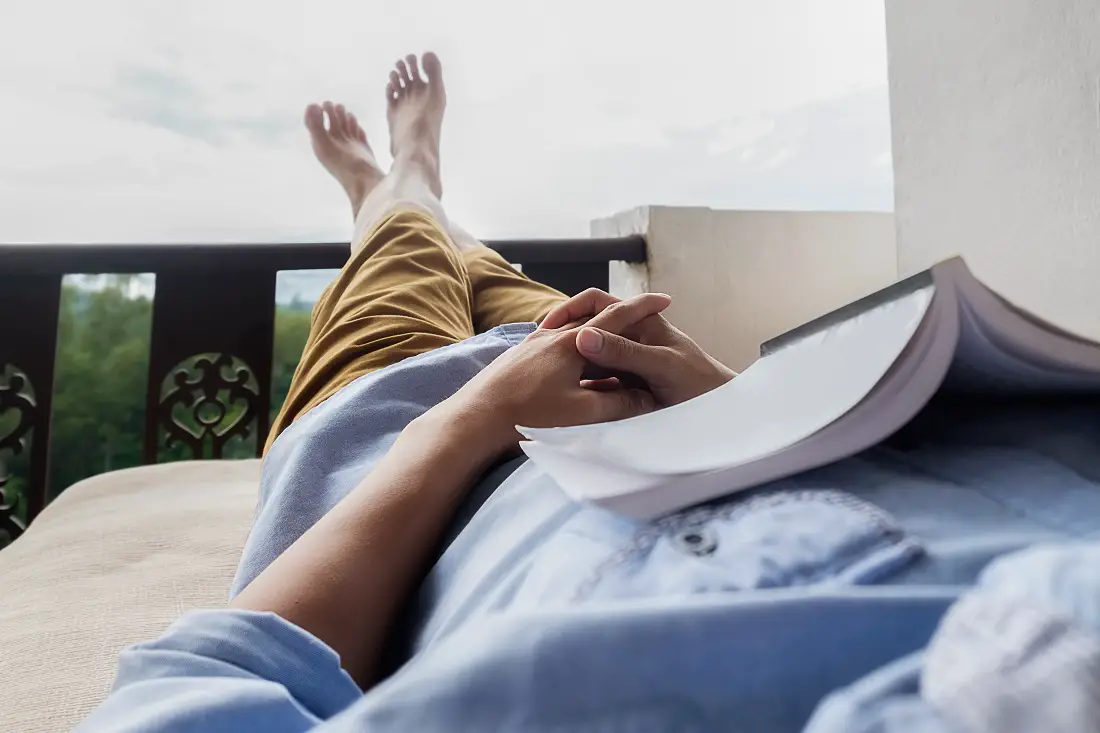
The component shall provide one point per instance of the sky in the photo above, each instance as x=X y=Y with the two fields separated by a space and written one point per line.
x=142 y=120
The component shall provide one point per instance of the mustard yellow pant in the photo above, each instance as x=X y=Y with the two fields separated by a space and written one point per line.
x=405 y=291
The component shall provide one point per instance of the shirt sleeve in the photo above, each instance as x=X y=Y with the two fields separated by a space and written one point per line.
x=226 y=670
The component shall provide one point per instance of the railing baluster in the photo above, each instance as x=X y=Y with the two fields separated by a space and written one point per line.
x=29 y=306
x=210 y=359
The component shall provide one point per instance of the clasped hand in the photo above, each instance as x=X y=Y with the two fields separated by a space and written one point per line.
x=546 y=381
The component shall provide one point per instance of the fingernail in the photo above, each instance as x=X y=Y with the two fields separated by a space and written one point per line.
x=590 y=340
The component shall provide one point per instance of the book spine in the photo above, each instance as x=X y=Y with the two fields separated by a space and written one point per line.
x=894 y=292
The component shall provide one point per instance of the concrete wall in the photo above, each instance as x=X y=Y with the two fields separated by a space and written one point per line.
x=738 y=278
x=996 y=125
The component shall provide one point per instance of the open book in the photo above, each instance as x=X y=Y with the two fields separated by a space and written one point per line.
x=825 y=391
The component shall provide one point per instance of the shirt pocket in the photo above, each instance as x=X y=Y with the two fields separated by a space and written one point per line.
x=777 y=539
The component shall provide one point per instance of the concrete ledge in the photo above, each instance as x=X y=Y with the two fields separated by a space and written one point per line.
x=739 y=278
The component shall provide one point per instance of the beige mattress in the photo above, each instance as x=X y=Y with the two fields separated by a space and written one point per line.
x=112 y=561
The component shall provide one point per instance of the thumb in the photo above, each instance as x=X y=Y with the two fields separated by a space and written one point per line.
x=617 y=353
x=622 y=354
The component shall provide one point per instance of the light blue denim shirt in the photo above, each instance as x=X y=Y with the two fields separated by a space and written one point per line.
x=837 y=591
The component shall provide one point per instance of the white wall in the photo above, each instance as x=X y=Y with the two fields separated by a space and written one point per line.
x=996 y=125
x=739 y=278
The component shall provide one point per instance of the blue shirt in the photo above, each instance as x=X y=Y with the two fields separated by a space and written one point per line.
x=829 y=591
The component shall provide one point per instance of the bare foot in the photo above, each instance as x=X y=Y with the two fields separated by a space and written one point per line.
x=414 y=111
x=343 y=150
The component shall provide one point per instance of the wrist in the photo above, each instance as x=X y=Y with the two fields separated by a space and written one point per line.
x=467 y=434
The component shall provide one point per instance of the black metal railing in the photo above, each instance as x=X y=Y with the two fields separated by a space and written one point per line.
x=213 y=310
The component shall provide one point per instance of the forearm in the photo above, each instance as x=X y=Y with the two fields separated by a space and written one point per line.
x=346 y=577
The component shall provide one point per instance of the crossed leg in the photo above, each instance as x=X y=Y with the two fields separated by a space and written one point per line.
x=415 y=281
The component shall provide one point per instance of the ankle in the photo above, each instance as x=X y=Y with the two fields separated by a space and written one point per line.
x=417 y=156
x=416 y=169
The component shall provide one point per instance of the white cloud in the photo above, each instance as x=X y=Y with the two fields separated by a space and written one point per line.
x=136 y=120
x=740 y=134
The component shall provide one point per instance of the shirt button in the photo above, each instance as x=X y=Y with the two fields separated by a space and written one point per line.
x=698 y=541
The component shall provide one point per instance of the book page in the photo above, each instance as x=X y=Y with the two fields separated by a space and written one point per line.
x=587 y=480
x=778 y=401
x=987 y=365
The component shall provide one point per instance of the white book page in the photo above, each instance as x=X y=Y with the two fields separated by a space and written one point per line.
x=983 y=365
x=586 y=480
x=1002 y=349
x=898 y=396
x=778 y=401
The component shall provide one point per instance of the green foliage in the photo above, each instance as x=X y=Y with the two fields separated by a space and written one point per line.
x=291 y=331
x=100 y=382
x=100 y=377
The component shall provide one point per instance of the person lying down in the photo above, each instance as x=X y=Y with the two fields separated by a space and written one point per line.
x=408 y=570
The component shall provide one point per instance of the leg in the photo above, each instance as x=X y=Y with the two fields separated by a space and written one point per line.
x=501 y=294
x=414 y=109
x=405 y=290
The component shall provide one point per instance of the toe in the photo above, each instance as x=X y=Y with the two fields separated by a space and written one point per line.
x=354 y=129
x=433 y=68
x=341 y=125
x=414 y=68
x=395 y=82
x=403 y=72
x=330 y=113
x=391 y=94
x=315 y=119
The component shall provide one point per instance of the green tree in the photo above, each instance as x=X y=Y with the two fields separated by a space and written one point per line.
x=99 y=384
x=291 y=331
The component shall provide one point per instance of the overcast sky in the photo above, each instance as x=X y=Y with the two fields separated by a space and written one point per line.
x=133 y=120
